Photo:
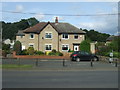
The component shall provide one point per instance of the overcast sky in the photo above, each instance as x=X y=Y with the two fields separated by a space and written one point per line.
x=105 y=24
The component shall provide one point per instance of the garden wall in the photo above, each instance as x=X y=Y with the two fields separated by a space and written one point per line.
x=67 y=57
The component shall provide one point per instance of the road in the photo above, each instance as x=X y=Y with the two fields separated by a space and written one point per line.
x=59 y=79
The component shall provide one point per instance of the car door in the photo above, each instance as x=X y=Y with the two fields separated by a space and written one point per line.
x=87 y=56
x=81 y=55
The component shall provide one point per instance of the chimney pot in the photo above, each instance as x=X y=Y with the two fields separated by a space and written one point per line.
x=56 y=20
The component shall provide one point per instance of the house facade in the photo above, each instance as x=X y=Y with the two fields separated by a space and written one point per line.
x=46 y=36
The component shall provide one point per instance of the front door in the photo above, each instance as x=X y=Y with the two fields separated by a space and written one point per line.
x=76 y=47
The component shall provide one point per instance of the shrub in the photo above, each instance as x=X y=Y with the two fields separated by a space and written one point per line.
x=85 y=46
x=59 y=54
x=52 y=54
x=47 y=53
x=54 y=51
x=24 y=52
x=70 y=50
x=4 y=54
x=39 y=53
x=17 y=47
x=30 y=50
x=55 y=54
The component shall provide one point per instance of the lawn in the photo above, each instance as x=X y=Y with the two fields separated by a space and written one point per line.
x=14 y=66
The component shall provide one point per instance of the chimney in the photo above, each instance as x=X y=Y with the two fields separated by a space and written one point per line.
x=56 y=20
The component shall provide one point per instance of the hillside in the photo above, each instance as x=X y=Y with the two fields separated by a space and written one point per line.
x=9 y=30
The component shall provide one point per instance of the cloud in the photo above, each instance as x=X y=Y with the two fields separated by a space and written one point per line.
x=105 y=24
x=39 y=16
x=19 y=8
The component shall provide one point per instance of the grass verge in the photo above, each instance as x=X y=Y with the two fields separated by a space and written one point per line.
x=14 y=66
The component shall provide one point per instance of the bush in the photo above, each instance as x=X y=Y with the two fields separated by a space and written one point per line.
x=39 y=53
x=30 y=51
x=4 y=54
x=59 y=54
x=17 y=47
x=85 y=46
x=52 y=54
x=70 y=50
x=24 y=52
x=55 y=53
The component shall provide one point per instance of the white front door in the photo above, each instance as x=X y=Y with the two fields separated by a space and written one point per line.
x=23 y=47
x=76 y=47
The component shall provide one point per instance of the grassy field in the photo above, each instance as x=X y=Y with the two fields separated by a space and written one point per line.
x=14 y=66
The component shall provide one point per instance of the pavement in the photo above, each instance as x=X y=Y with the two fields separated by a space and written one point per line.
x=56 y=74
x=60 y=65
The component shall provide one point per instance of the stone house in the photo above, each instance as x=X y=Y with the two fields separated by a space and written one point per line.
x=46 y=36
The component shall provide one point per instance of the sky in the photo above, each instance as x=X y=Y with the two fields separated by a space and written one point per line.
x=103 y=23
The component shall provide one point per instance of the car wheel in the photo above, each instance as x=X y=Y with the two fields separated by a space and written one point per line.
x=95 y=59
x=77 y=59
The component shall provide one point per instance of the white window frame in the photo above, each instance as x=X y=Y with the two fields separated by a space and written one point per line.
x=31 y=34
x=48 y=34
x=31 y=44
x=65 y=38
x=65 y=45
x=21 y=36
x=81 y=36
x=48 y=44
x=76 y=38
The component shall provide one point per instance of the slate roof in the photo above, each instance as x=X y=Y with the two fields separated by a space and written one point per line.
x=110 y=38
x=20 y=33
x=59 y=27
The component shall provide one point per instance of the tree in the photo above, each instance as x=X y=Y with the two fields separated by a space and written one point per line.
x=9 y=30
x=5 y=46
x=5 y=49
x=115 y=44
x=95 y=35
x=17 y=47
x=85 y=46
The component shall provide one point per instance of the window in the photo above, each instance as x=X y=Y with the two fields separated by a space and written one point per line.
x=76 y=36
x=31 y=45
x=48 y=35
x=21 y=36
x=65 y=47
x=65 y=36
x=31 y=36
x=48 y=47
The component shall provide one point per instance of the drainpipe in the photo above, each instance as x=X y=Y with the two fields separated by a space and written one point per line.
x=38 y=42
x=58 y=42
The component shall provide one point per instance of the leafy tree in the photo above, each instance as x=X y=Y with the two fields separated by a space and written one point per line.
x=6 y=48
x=95 y=35
x=85 y=46
x=10 y=29
x=115 y=44
x=17 y=47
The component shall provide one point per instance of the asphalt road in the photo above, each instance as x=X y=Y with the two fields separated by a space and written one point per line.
x=59 y=79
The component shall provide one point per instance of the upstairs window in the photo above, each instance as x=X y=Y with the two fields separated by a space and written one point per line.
x=64 y=36
x=48 y=35
x=31 y=36
x=75 y=36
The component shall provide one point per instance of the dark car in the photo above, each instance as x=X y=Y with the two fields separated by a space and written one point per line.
x=83 y=56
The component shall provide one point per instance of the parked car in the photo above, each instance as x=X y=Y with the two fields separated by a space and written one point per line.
x=83 y=56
